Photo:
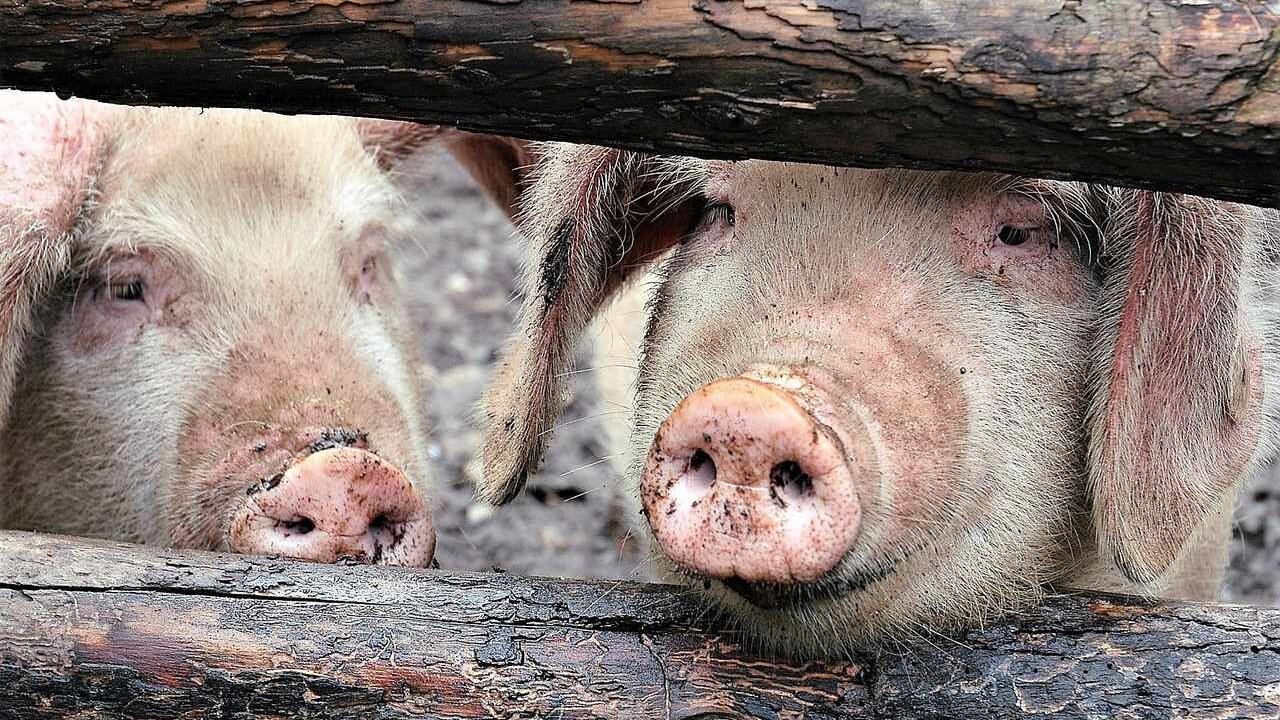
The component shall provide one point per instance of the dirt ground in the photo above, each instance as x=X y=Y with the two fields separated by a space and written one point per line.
x=464 y=276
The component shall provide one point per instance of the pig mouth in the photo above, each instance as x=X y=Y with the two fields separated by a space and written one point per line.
x=837 y=584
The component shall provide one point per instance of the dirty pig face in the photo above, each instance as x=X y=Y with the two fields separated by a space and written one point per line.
x=877 y=404
x=846 y=377
x=229 y=366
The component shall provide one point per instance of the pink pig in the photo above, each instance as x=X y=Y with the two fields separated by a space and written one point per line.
x=202 y=342
x=870 y=404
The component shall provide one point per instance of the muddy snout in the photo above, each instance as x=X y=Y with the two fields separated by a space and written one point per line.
x=742 y=483
x=338 y=503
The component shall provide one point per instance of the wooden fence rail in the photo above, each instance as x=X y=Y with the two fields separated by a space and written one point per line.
x=1154 y=93
x=96 y=629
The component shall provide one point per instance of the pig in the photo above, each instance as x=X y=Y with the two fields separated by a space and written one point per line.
x=202 y=339
x=865 y=406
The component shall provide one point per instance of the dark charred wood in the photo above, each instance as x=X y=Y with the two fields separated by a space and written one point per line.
x=1171 y=95
x=94 y=629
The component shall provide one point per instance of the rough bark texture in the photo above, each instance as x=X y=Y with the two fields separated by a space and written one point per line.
x=1157 y=93
x=105 y=630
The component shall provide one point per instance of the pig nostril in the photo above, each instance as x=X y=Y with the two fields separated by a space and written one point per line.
x=788 y=479
x=702 y=469
x=301 y=526
x=380 y=524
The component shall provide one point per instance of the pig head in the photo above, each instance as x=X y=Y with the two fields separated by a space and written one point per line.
x=874 y=403
x=202 y=341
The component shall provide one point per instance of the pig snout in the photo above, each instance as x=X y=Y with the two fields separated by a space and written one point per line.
x=334 y=504
x=744 y=484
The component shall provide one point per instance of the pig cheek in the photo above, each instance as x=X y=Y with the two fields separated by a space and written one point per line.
x=93 y=328
x=178 y=312
x=921 y=412
x=97 y=327
x=212 y=483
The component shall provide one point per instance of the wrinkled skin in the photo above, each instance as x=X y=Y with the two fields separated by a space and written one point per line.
x=989 y=383
x=211 y=350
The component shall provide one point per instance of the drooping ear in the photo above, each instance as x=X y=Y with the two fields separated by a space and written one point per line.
x=50 y=151
x=1177 y=413
x=593 y=217
x=393 y=140
x=499 y=164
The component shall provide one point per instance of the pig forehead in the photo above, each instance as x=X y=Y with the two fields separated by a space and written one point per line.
x=245 y=155
x=786 y=178
x=763 y=182
x=251 y=185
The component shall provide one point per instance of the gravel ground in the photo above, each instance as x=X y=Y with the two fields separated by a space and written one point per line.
x=464 y=276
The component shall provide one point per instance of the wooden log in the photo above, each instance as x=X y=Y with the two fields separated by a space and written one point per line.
x=1172 y=95
x=96 y=629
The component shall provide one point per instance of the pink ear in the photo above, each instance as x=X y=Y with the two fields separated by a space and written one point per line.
x=392 y=141
x=49 y=153
x=594 y=217
x=1178 y=408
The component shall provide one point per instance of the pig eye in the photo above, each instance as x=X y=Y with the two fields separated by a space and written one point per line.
x=366 y=281
x=720 y=213
x=126 y=291
x=717 y=213
x=1010 y=235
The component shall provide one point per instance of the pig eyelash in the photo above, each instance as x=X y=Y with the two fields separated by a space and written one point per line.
x=1013 y=236
x=718 y=213
x=714 y=215
x=131 y=291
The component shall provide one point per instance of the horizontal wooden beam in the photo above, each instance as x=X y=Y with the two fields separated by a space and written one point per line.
x=96 y=629
x=1171 y=95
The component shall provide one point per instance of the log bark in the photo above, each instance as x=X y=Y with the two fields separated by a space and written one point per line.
x=1154 y=93
x=98 y=629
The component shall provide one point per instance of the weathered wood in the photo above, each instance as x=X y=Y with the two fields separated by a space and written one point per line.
x=1156 y=93
x=105 y=630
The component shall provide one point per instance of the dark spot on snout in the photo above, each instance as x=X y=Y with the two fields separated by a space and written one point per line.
x=265 y=484
x=555 y=266
x=338 y=437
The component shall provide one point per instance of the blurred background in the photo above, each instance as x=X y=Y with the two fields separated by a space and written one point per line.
x=462 y=279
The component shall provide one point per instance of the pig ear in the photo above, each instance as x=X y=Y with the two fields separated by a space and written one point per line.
x=592 y=217
x=500 y=165
x=392 y=140
x=1177 y=413
x=49 y=154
